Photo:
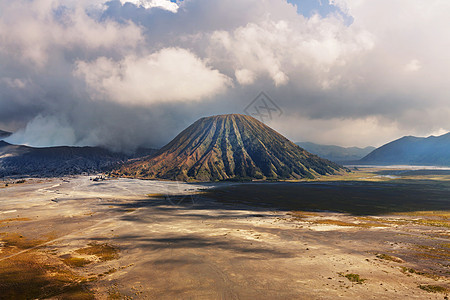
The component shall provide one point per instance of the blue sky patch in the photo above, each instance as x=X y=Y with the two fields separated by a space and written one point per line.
x=308 y=8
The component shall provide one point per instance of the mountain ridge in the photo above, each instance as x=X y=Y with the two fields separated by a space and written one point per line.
x=412 y=150
x=335 y=153
x=20 y=160
x=228 y=147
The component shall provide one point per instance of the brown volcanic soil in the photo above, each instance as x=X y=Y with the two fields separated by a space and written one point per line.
x=229 y=147
x=74 y=238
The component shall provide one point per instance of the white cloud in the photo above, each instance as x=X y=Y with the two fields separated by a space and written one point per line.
x=347 y=132
x=169 y=75
x=413 y=66
x=14 y=83
x=251 y=48
x=148 y=4
x=286 y=49
x=244 y=76
x=43 y=132
x=30 y=32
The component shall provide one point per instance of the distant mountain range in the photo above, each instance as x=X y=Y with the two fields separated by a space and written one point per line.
x=410 y=150
x=4 y=134
x=225 y=147
x=336 y=153
x=58 y=161
x=229 y=147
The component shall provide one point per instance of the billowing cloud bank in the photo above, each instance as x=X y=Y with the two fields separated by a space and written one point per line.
x=165 y=76
x=125 y=74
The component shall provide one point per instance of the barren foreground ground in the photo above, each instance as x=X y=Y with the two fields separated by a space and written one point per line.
x=74 y=238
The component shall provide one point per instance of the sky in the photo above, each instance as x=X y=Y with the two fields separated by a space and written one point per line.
x=129 y=73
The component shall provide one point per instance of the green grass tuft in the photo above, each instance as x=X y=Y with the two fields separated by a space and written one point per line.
x=389 y=257
x=434 y=288
x=353 y=277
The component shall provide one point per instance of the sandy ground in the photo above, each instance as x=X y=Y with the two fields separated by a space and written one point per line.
x=194 y=248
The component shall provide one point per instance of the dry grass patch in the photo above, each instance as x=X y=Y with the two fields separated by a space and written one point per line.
x=384 y=222
x=434 y=223
x=445 y=245
x=156 y=195
x=104 y=252
x=343 y=223
x=77 y=262
x=424 y=218
x=443 y=214
x=389 y=257
x=114 y=293
x=110 y=271
x=302 y=214
x=354 y=175
x=35 y=275
x=409 y=271
x=434 y=288
x=439 y=251
x=14 y=220
x=429 y=218
x=18 y=241
x=353 y=278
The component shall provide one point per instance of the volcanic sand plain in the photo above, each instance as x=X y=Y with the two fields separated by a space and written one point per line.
x=370 y=236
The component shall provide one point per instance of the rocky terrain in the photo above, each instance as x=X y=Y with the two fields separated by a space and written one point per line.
x=17 y=160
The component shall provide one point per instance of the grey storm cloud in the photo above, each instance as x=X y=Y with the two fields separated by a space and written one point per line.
x=125 y=74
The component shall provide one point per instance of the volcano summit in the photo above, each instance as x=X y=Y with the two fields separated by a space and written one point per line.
x=229 y=147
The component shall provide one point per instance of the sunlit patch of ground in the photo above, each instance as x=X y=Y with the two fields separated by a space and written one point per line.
x=36 y=275
x=104 y=252
x=383 y=174
x=28 y=271
x=316 y=218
